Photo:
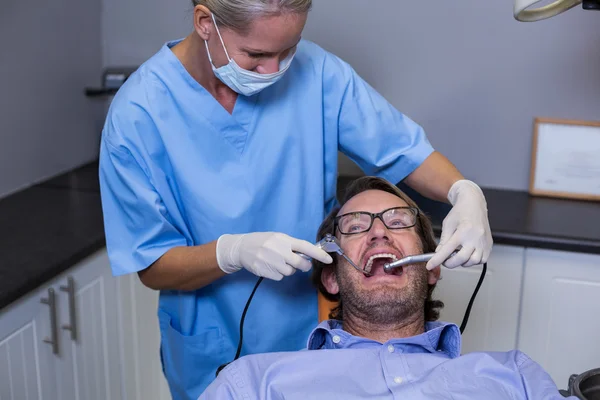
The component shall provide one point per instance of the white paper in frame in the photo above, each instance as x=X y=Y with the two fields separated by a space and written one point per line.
x=565 y=159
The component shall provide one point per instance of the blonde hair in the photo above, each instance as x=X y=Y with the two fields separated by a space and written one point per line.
x=239 y=14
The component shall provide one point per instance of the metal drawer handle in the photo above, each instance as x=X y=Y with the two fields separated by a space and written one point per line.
x=72 y=326
x=51 y=301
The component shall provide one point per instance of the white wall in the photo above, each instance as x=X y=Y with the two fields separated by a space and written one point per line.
x=466 y=70
x=50 y=52
x=133 y=30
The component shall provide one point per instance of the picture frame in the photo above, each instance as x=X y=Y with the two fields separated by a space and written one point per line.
x=565 y=159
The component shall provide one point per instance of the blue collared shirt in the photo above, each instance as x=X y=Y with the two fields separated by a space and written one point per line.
x=338 y=365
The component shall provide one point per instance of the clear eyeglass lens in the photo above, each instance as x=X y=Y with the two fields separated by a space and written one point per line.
x=400 y=218
x=355 y=223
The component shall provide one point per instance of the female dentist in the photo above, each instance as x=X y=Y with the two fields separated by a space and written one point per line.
x=218 y=162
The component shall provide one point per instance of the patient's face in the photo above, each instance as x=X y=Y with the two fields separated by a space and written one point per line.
x=405 y=290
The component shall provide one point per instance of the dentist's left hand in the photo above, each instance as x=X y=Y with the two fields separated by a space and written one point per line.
x=466 y=226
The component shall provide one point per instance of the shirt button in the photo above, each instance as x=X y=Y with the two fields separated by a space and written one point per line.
x=336 y=339
x=390 y=348
x=398 y=379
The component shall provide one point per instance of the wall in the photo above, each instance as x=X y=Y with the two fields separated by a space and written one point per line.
x=466 y=70
x=50 y=52
x=133 y=30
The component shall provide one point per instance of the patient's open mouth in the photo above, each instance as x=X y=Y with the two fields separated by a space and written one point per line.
x=374 y=264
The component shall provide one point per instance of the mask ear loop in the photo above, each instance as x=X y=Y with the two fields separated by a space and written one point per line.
x=220 y=37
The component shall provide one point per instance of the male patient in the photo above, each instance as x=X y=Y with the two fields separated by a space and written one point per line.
x=382 y=341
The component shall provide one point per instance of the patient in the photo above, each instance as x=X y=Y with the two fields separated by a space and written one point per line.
x=382 y=341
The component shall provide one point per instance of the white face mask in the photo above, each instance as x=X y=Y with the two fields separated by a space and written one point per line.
x=241 y=80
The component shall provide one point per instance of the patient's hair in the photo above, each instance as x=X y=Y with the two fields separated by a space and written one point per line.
x=423 y=228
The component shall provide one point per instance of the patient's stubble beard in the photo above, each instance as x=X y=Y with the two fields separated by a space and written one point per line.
x=384 y=305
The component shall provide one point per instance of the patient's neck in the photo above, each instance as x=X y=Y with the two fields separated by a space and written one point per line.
x=357 y=325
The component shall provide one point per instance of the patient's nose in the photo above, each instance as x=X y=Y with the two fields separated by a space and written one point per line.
x=378 y=231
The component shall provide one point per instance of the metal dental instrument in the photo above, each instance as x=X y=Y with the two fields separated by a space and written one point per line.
x=331 y=244
x=408 y=260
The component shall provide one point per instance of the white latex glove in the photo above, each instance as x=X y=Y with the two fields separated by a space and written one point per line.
x=466 y=226
x=267 y=254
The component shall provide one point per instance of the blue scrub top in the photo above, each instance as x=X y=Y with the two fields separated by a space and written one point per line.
x=176 y=169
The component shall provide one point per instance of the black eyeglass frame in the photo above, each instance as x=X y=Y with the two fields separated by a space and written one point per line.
x=373 y=216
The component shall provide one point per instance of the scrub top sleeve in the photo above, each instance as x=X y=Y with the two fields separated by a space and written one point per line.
x=371 y=132
x=136 y=224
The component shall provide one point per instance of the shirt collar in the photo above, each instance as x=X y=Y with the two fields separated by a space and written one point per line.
x=438 y=336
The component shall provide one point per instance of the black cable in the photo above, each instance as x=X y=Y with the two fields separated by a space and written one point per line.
x=239 y=349
x=463 y=325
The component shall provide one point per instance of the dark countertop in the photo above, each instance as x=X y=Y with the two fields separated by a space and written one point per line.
x=82 y=179
x=49 y=227
x=45 y=231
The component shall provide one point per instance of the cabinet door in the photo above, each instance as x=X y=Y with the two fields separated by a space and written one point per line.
x=559 y=318
x=26 y=362
x=91 y=365
x=493 y=321
x=142 y=371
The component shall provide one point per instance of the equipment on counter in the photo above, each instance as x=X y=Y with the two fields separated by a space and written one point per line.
x=112 y=79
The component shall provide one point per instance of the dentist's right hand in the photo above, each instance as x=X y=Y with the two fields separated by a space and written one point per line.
x=267 y=254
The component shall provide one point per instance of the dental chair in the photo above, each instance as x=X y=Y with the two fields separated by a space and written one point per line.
x=585 y=386
x=325 y=307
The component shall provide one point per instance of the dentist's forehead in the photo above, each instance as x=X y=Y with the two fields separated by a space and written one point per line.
x=373 y=201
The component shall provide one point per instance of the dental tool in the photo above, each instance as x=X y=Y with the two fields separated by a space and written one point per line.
x=331 y=244
x=408 y=260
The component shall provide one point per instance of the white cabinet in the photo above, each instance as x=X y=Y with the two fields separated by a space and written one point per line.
x=493 y=322
x=113 y=353
x=140 y=341
x=90 y=362
x=86 y=366
x=560 y=316
x=25 y=361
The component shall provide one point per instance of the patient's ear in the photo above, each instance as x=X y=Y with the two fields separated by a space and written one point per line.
x=434 y=275
x=329 y=280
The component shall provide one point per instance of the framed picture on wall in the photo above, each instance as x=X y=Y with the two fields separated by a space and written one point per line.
x=565 y=160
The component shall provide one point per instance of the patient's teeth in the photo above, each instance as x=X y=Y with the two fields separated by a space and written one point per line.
x=369 y=264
